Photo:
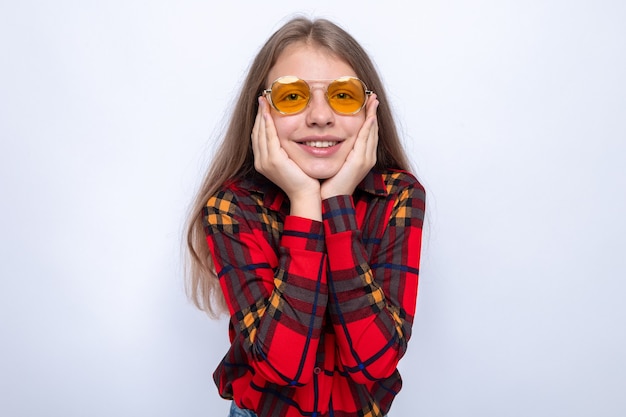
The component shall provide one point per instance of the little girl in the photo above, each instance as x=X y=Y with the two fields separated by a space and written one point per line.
x=307 y=230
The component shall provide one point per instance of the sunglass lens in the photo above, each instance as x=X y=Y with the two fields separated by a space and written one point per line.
x=290 y=95
x=346 y=95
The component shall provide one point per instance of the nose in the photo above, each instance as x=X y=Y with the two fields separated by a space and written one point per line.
x=319 y=112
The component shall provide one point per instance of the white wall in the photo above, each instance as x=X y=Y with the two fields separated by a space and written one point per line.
x=514 y=113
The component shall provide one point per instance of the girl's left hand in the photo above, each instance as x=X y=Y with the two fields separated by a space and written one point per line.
x=361 y=158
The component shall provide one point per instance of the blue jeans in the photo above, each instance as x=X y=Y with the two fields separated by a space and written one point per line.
x=238 y=412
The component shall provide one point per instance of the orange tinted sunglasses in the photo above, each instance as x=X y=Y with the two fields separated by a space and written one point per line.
x=291 y=95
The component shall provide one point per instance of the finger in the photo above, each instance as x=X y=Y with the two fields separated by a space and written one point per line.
x=369 y=130
x=371 y=105
x=372 y=137
x=254 y=136
x=263 y=139
x=273 y=143
x=373 y=131
x=371 y=151
x=259 y=142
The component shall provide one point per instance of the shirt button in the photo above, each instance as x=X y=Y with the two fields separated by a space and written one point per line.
x=317 y=370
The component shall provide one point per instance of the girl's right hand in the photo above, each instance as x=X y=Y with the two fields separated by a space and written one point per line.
x=271 y=160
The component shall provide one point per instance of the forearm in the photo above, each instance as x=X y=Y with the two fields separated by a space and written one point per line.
x=276 y=297
x=372 y=328
x=290 y=328
x=372 y=297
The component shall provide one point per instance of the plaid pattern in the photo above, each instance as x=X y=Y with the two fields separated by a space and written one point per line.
x=321 y=312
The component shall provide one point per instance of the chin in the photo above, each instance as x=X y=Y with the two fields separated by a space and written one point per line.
x=321 y=174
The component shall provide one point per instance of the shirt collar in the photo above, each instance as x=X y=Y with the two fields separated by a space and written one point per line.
x=374 y=183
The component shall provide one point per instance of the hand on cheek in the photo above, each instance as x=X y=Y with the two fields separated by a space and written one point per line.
x=361 y=158
x=271 y=160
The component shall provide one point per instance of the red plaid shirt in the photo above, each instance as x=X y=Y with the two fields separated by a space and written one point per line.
x=321 y=312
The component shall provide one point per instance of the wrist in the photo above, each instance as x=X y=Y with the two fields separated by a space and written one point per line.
x=306 y=204
x=328 y=192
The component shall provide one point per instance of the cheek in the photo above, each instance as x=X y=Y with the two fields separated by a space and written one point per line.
x=284 y=126
x=354 y=125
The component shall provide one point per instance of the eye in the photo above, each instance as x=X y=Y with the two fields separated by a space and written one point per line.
x=289 y=94
x=289 y=99
x=342 y=95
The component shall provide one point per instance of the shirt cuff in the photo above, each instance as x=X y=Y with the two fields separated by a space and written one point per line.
x=339 y=214
x=304 y=234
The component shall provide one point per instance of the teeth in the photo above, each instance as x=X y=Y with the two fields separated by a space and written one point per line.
x=321 y=144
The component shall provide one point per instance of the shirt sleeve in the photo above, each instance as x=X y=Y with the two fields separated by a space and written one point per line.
x=277 y=301
x=372 y=298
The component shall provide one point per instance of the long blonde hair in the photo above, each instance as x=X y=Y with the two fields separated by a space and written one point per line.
x=234 y=158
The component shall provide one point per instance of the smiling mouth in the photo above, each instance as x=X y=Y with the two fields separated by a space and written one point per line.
x=320 y=143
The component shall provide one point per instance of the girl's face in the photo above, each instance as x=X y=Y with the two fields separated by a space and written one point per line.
x=317 y=139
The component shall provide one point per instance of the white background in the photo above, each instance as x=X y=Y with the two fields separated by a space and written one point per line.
x=514 y=113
